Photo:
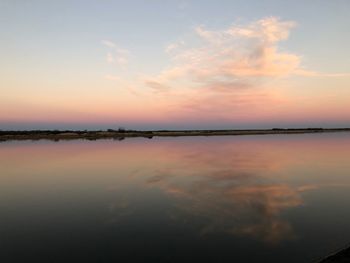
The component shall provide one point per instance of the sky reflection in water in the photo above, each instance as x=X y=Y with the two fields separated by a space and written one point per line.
x=280 y=197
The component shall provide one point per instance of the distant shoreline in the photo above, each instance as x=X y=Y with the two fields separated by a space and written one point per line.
x=120 y=134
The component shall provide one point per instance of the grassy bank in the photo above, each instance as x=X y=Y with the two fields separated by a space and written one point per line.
x=121 y=134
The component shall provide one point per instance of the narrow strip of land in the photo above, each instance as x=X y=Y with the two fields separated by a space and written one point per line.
x=121 y=134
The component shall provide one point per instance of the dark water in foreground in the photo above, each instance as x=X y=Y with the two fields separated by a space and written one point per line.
x=271 y=198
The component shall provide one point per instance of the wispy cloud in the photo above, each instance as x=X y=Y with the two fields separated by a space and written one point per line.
x=116 y=55
x=157 y=87
x=227 y=70
x=110 y=58
x=239 y=51
x=231 y=57
x=225 y=73
x=108 y=43
x=174 y=46
x=233 y=71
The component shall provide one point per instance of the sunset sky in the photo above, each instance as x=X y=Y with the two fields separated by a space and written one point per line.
x=174 y=64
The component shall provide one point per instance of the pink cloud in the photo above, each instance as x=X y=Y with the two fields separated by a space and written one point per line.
x=230 y=74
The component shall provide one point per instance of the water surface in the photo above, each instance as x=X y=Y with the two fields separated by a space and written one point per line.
x=270 y=198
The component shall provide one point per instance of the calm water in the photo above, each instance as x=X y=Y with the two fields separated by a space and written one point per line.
x=278 y=198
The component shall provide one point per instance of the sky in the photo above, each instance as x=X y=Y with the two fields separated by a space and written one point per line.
x=174 y=64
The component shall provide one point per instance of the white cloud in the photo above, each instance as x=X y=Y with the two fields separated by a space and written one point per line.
x=242 y=51
x=174 y=46
x=240 y=55
x=116 y=55
x=108 y=43
x=110 y=58
x=223 y=72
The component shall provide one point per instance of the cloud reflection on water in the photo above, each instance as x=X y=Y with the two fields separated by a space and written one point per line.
x=227 y=187
x=241 y=186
